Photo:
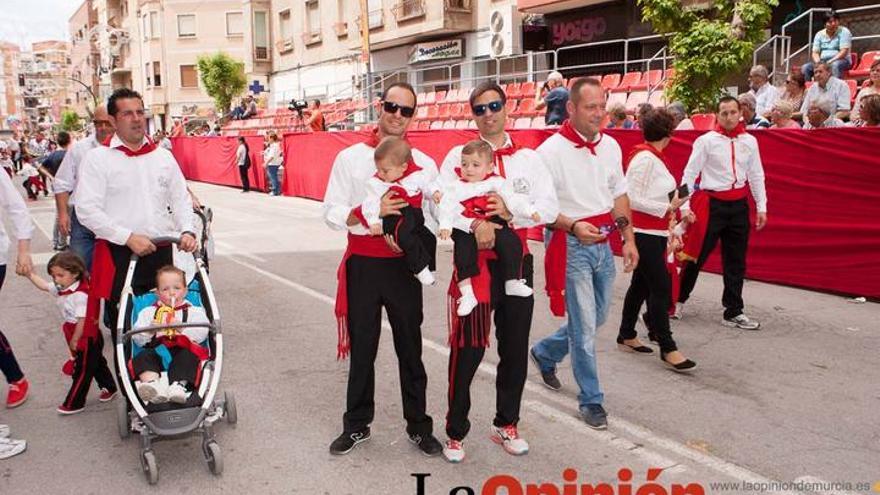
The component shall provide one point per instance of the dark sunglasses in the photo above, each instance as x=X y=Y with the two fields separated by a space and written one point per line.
x=495 y=106
x=391 y=107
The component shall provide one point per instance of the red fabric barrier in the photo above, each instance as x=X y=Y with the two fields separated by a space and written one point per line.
x=823 y=190
x=212 y=160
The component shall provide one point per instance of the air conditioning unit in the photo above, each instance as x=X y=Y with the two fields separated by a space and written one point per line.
x=505 y=28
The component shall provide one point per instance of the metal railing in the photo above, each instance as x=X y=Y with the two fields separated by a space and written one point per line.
x=788 y=56
x=406 y=10
x=661 y=56
x=779 y=46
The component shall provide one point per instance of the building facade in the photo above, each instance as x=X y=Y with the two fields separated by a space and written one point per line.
x=43 y=77
x=84 y=59
x=10 y=90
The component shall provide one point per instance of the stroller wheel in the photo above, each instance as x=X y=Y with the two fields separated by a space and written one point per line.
x=148 y=464
x=231 y=410
x=122 y=419
x=214 y=457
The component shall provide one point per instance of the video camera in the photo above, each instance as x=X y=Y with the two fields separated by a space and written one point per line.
x=298 y=106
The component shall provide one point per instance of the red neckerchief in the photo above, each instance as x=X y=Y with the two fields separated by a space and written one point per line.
x=739 y=129
x=502 y=152
x=476 y=207
x=568 y=132
x=147 y=147
x=373 y=139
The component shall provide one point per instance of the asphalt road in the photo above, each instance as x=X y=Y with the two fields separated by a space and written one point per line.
x=793 y=406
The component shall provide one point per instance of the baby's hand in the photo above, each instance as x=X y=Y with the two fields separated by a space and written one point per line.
x=376 y=229
x=437 y=197
x=676 y=243
x=445 y=234
x=689 y=218
x=536 y=217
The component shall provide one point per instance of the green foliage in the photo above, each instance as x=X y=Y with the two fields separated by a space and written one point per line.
x=223 y=78
x=708 y=45
x=70 y=121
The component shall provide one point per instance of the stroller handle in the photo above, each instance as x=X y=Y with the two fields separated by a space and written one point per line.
x=165 y=240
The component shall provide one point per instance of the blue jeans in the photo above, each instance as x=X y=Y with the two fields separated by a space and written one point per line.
x=273 y=179
x=838 y=67
x=82 y=240
x=589 y=279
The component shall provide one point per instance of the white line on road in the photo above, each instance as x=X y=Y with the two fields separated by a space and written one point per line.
x=229 y=250
x=646 y=436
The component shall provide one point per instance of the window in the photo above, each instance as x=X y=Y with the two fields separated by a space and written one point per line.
x=157 y=77
x=313 y=18
x=234 y=24
x=155 y=29
x=147 y=73
x=186 y=25
x=146 y=27
x=188 y=76
x=341 y=24
x=284 y=27
x=261 y=36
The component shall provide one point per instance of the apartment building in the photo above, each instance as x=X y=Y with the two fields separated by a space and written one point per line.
x=10 y=91
x=84 y=58
x=43 y=72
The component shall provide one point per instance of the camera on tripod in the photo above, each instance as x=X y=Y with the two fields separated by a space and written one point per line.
x=298 y=106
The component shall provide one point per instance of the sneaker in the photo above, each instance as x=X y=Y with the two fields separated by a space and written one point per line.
x=466 y=304
x=548 y=377
x=428 y=444
x=18 y=393
x=177 y=393
x=595 y=416
x=4 y=431
x=453 y=451
x=679 y=310
x=517 y=288
x=9 y=447
x=67 y=411
x=346 y=442
x=152 y=391
x=106 y=395
x=508 y=437
x=426 y=277
x=741 y=321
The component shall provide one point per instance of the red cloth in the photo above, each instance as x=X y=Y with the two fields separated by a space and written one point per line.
x=736 y=131
x=480 y=317
x=500 y=153
x=643 y=220
x=90 y=321
x=358 y=245
x=568 y=132
x=476 y=207
x=212 y=160
x=414 y=200
x=555 y=260
x=147 y=147
x=696 y=232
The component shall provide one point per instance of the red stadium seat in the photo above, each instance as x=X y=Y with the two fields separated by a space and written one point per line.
x=432 y=112
x=526 y=108
x=440 y=97
x=456 y=111
x=424 y=125
x=853 y=88
x=513 y=91
x=649 y=79
x=510 y=106
x=443 y=111
x=430 y=98
x=610 y=81
x=703 y=121
x=527 y=89
x=437 y=124
x=422 y=112
x=864 y=67
x=629 y=80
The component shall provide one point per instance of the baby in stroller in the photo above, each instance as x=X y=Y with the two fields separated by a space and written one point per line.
x=169 y=361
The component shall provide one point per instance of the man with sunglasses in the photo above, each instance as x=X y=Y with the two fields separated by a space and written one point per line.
x=374 y=274
x=82 y=240
x=587 y=172
x=525 y=170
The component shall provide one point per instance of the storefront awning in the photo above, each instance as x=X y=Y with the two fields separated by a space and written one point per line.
x=550 y=6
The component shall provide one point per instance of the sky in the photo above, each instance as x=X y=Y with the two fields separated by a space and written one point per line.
x=26 y=21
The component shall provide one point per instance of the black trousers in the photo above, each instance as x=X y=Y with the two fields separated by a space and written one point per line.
x=418 y=243
x=513 y=320
x=8 y=364
x=508 y=247
x=89 y=364
x=183 y=367
x=372 y=284
x=650 y=283
x=729 y=223
x=245 y=180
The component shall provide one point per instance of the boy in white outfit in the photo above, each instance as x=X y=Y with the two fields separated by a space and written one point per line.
x=397 y=172
x=465 y=202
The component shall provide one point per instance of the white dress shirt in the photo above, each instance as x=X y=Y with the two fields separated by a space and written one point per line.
x=648 y=185
x=272 y=155
x=452 y=211
x=68 y=171
x=586 y=184
x=240 y=155
x=13 y=204
x=421 y=181
x=765 y=97
x=120 y=195
x=835 y=90
x=527 y=175
x=347 y=187
x=73 y=305
x=711 y=159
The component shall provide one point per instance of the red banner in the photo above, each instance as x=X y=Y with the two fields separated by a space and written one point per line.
x=822 y=188
x=212 y=160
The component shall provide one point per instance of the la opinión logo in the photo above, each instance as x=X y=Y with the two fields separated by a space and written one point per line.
x=510 y=485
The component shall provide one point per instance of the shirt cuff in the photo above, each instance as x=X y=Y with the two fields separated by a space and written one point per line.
x=120 y=236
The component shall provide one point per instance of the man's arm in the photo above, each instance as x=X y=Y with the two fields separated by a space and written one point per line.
x=623 y=219
x=694 y=167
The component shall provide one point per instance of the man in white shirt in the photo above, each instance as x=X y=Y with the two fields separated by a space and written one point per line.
x=726 y=160
x=824 y=84
x=524 y=169
x=587 y=172
x=765 y=93
x=372 y=275
x=82 y=240
x=124 y=194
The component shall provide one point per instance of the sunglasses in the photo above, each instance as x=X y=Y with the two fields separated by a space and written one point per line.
x=495 y=106
x=392 y=107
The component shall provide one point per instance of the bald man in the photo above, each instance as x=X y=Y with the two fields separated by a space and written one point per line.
x=82 y=240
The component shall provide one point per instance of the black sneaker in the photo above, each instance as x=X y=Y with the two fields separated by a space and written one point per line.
x=346 y=442
x=548 y=377
x=428 y=444
x=595 y=416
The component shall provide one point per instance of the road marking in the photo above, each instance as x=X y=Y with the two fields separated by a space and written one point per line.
x=645 y=435
x=228 y=249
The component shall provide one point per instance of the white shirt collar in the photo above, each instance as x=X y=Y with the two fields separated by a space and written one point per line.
x=115 y=142
x=72 y=287
x=592 y=141
x=507 y=142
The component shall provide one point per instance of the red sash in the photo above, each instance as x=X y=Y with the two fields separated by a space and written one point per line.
x=555 y=261
x=643 y=220
x=358 y=245
x=182 y=341
x=696 y=233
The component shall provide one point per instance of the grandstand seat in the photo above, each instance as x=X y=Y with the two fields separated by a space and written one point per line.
x=522 y=123
x=472 y=124
x=461 y=124
x=440 y=97
x=628 y=80
x=465 y=94
x=610 y=81
x=703 y=121
x=513 y=91
x=538 y=123
x=421 y=97
x=443 y=111
x=456 y=111
x=437 y=124
x=449 y=124
x=422 y=112
x=616 y=98
x=510 y=106
x=635 y=99
x=424 y=125
x=651 y=78
x=527 y=89
x=526 y=108
x=670 y=74
x=864 y=67
x=430 y=98
x=432 y=112
x=451 y=96
x=509 y=123
x=853 y=88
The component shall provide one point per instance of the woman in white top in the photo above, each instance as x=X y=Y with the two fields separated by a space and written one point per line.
x=872 y=88
x=243 y=160
x=649 y=185
x=273 y=159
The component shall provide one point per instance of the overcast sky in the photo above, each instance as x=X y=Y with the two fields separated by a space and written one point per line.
x=26 y=21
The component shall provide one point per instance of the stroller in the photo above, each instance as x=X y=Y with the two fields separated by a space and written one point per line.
x=203 y=408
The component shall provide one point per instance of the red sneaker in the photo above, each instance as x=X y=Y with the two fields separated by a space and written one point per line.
x=67 y=367
x=66 y=411
x=18 y=393
x=106 y=395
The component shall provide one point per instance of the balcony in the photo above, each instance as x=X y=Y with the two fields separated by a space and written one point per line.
x=312 y=37
x=283 y=46
x=341 y=29
x=408 y=9
x=458 y=5
x=375 y=19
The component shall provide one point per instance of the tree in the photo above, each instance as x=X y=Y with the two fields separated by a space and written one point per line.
x=708 y=44
x=223 y=79
x=70 y=121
